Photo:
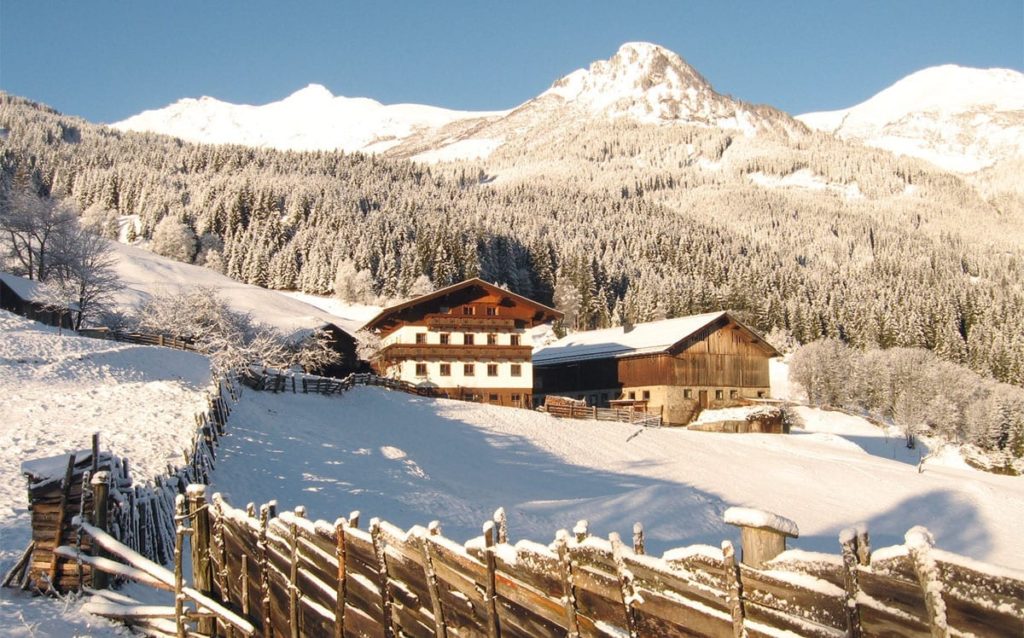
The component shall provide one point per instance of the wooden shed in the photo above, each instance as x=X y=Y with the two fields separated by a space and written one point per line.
x=677 y=366
x=23 y=297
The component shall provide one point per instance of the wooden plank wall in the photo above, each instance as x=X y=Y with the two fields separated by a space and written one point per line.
x=296 y=577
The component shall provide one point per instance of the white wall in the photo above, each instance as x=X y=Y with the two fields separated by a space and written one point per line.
x=407 y=335
x=478 y=380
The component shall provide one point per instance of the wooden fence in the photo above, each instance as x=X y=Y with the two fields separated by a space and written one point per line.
x=290 y=576
x=593 y=413
x=274 y=381
x=139 y=516
x=145 y=339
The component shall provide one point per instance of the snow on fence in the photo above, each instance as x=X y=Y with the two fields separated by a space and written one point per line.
x=64 y=488
x=273 y=381
x=571 y=410
x=290 y=576
x=166 y=341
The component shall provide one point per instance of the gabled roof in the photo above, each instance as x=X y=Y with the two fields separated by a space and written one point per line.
x=390 y=311
x=644 y=338
x=27 y=289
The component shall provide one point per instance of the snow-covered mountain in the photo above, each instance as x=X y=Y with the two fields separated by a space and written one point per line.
x=309 y=119
x=642 y=81
x=961 y=119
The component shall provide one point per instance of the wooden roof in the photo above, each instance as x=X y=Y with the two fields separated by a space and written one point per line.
x=390 y=313
x=667 y=335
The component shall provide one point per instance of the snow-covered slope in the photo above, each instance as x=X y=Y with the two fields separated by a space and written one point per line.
x=56 y=389
x=309 y=119
x=410 y=460
x=144 y=273
x=961 y=119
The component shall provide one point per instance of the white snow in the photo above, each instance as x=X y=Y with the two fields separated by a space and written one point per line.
x=145 y=273
x=310 y=119
x=959 y=118
x=24 y=288
x=750 y=517
x=463 y=460
x=805 y=178
x=653 y=336
x=740 y=413
x=349 y=316
x=55 y=391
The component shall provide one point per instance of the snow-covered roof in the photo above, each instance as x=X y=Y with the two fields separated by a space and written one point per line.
x=643 y=338
x=24 y=288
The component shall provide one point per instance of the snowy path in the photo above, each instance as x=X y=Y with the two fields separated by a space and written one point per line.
x=409 y=460
x=55 y=391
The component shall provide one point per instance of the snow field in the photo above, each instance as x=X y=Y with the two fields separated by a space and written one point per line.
x=409 y=460
x=56 y=390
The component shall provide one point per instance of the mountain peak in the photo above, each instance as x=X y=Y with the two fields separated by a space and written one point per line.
x=312 y=92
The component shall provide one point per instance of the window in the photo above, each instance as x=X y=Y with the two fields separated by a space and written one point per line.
x=468 y=310
x=493 y=398
x=647 y=395
x=733 y=394
x=491 y=311
x=445 y=310
x=517 y=370
x=513 y=340
x=687 y=393
x=446 y=369
x=492 y=369
x=492 y=339
x=445 y=338
x=467 y=338
x=421 y=337
x=421 y=369
x=468 y=369
x=760 y=394
x=604 y=398
x=632 y=396
x=719 y=394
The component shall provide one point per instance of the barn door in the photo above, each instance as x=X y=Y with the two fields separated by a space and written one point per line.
x=702 y=396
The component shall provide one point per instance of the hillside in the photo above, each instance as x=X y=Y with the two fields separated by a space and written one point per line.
x=610 y=219
x=56 y=390
x=424 y=459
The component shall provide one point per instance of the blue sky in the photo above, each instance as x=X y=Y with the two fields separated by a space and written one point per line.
x=107 y=60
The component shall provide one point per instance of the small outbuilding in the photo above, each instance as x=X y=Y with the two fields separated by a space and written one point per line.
x=24 y=297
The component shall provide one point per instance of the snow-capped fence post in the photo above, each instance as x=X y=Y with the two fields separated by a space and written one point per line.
x=762 y=534
x=341 y=588
x=734 y=588
x=179 y=577
x=440 y=630
x=849 y=540
x=264 y=559
x=490 y=596
x=638 y=538
x=501 y=525
x=919 y=542
x=377 y=539
x=293 y=575
x=101 y=490
x=628 y=591
x=202 y=569
x=568 y=588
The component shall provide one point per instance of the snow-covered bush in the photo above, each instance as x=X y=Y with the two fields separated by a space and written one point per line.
x=174 y=239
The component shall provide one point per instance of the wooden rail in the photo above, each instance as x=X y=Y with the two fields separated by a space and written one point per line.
x=622 y=415
x=274 y=381
x=299 y=577
x=145 y=339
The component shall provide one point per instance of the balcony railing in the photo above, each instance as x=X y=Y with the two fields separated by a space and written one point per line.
x=466 y=323
x=404 y=351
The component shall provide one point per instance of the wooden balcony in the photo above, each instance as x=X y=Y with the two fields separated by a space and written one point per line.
x=471 y=323
x=454 y=352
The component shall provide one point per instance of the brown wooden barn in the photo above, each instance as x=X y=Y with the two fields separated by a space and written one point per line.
x=674 y=367
x=22 y=297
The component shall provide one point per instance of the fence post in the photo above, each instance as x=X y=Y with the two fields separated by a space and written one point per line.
x=179 y=577
x=848 y=540
x=568 y=588
x=919 y=542
x=489 y=597
x=440 y=630
x=202 y=573
x=101 y=491
x=341 y=591
x=638 y=539
x=762 y=534
x=626 y=587
x=734 y=588
x=382 y=567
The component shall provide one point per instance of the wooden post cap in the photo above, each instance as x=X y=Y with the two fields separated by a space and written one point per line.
x=763 y=534
x=100 y=478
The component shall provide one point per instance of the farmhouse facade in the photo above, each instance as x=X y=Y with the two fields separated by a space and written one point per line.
x=675 y=367
x=467 y=341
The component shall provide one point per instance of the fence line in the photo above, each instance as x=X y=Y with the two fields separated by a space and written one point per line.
x=623 y=415
x=146 y=339
x=140 y=516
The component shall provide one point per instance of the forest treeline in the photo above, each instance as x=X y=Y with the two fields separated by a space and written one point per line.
x=689 y=235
